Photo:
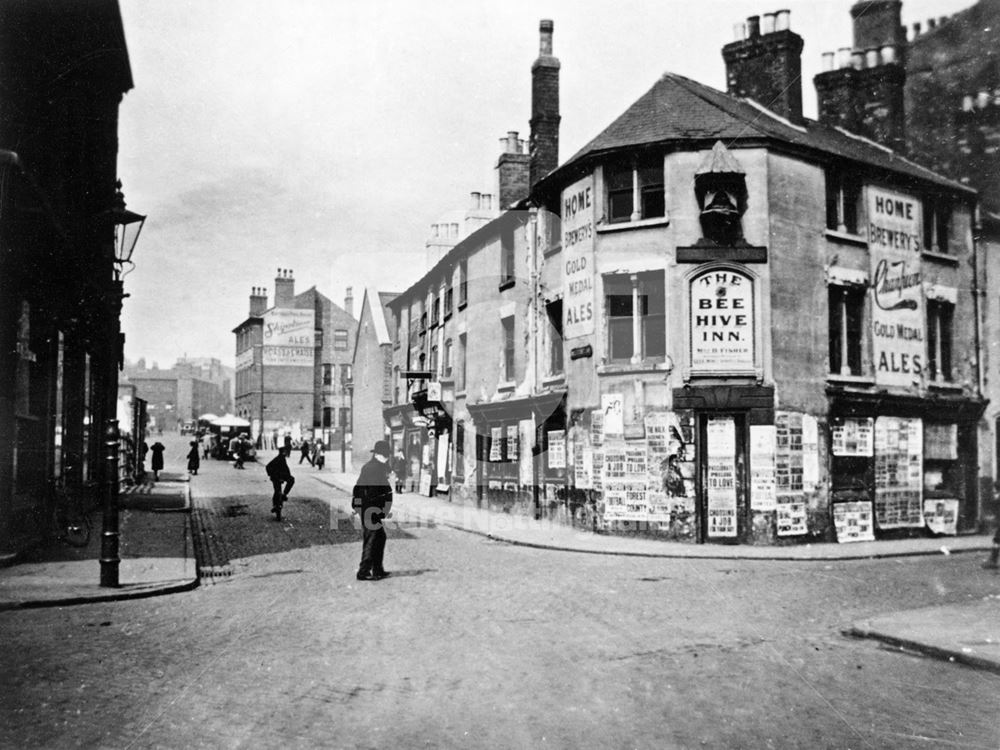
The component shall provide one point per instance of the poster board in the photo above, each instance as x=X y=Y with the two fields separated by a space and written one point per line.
x=762 y=468
x=941 y=516
x=721 y=477
x=557 y=449
x=898 y=473
x=790 y=473
x=853 y=521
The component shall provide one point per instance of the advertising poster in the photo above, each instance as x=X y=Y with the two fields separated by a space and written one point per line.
x=942 y=516
x=557 y=449
x=525 y=459
x=289 y=337
x=810 y=452
x=578 y=202
x=940 y=442
x=496 y=444
x=597 y=469
x=721 y=476
x=762 y=494
x=853 y=522
x=596 y=427
x=853 y=437
x=512 y=443
x=722 y=322
x=613 y=483
x=583 y=466
x=895 y=229
x=898 y=473
x=613 y=410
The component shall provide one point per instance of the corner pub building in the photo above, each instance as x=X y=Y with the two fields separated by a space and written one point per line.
x=784 y=338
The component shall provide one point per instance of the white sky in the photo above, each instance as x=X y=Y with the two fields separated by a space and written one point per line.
x=325 y=136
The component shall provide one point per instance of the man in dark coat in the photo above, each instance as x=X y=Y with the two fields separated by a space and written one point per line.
x=279 y=474
x=304 y=448
x=372 y=498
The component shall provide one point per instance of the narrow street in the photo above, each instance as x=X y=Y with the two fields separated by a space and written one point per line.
x=473 y=643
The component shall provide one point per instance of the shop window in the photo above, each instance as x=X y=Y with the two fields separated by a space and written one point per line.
x=507 y=258
x=507 y=325
x=939 y=340
x=635 y=192
x=843 y=202
x=937 y=224
x=635 y=310
x=846 y=311
x=554 y=311
x=340 y=339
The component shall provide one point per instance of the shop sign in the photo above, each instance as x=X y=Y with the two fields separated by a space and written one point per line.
x=578 y=203
x=288 y=337
x=895 y=227
x=722 y=322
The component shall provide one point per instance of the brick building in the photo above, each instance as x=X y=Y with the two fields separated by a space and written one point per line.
x=181 y=393
x=371 y=371
x=293 y=363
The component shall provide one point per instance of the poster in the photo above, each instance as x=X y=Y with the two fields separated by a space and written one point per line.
x=810 y=452
x=583 y=466
x=612 y=409
x=524 y=433
x=898 y=473
x=853 y=522
x=791 y=518
x=895 y=231
x=596 y=427
x=613 y=482
x=942 y=516
x=557 y=449
x=762 y=446
x=721 y=477
x=512 y=442
x=578 y=204
x=496 y=447
x=853 y=437
x=940 y=442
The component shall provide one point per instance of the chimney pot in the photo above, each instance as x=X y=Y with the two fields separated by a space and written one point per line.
x=916 y=29
x=827 y=58
x=931 y=23
x=477 y=200
x=857 y=59
x=513 y=143
x=545 y=28
x=942 y=20
x=739 y=32
x=871 y=57
x=968 y=103
x=888 y=53
x=844 y=57
x=767 y=26
x=782 y=20
x=983 y=99
x=753 y=27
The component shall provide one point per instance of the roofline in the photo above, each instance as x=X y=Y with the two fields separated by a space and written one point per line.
x=249 y=319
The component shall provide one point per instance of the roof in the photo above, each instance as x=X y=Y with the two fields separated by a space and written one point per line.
x=679 y=110
x=378 y=312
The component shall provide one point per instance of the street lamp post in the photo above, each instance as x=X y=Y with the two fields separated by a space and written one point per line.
x=127 y=226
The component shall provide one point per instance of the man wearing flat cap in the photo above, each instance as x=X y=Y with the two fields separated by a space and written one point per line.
x=372 y=498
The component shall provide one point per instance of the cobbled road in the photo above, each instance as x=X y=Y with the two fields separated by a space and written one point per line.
x=473 y=643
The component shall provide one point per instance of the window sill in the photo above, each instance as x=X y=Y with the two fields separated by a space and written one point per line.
x=506 y=386
x=463 y=305
x=834 y=378
x=552 y=380
x=552 y=250
x=620 y=226
x=846 y=238
x=620 y=368
x=504 y=285
x=447 y=316
x=944 y=385
x=940 y=257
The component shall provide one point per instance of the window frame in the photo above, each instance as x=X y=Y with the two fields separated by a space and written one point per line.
x=844 y=201
x=642 y=287
x=341 y=336
x=845 y=332
x=509 y=358
x=940 y=341
x=639 y=186
x=508 y=258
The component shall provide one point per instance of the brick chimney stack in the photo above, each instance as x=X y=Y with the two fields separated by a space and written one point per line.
x=765 y=64
x=349 y=301
x=544 y=140
x=862 y=88
x=258 y=301
x=513 y=171
x=284 y=288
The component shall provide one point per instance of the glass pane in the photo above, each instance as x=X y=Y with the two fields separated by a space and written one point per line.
x=620 y=334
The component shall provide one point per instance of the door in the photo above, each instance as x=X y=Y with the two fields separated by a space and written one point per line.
x=722 y=497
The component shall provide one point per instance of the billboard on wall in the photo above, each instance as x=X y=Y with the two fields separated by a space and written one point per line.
x=289 y=337
x=895 y=230
x=578 y=258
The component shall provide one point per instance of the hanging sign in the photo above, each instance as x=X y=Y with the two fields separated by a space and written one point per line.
x=895 y=228
x=578 y=202
x=722 y=322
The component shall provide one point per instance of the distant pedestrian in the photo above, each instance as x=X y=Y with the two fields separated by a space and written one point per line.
x=304 y=452
x=194 y=458
x=399 y=469
x=274 y=440
x=319 y=454
x=281 y=479
x=372 y=498
x=241 y=451
x=157 y=450
x=206 y=443
x=288 y=444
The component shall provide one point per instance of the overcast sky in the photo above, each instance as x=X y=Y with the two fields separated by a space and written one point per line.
x=326 y=136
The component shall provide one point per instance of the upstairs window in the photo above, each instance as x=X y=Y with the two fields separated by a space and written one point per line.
x=448 y=301
x=345 y=374
x=434 y=361
x=937 y=224
x=327 y=374
x=340 y=339
x=846 y=311
x=843 y=202
x=507 y=326
x=460 y=362
x=446 y=364
x=463 y=283
x=939 y=340
x=635 y=191
x=554 y=313
x=423 y=323
x=436 y=311
x=635 y=311
x=507 y=258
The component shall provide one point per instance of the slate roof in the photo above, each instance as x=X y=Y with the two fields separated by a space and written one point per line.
x=679 y=109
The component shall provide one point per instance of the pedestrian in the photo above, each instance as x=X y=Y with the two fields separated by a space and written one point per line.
x=157 y=450
x=399 y=469
x=274 y=440
x=206 y=445
x=281 y=479
x=993 y=561
x=194 y=458
x=372 y=498
x=241 y=451
x=288 y=444
x=304 y=450
x=319 y=454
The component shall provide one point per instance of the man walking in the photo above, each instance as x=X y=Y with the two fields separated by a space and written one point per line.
x=372 y=498
x=281 y=479
x=304 y=448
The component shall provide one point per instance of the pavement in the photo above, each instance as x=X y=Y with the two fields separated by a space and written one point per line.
x=157 y=558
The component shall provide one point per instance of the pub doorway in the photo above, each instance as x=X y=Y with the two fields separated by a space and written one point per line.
x=723 y=500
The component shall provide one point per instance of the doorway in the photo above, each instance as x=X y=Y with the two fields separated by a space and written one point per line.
x=723 y=504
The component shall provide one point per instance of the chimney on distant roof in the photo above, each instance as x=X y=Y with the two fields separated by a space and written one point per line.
x=284 y=288
x=543 y=144
x=513 y=171
x=349 y=301
x=258 y=301
x=767 y=67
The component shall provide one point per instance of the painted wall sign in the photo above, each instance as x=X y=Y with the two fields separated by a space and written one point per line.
x=895 y=227
x=578 y=204
x=722 y=322
x=289 y=337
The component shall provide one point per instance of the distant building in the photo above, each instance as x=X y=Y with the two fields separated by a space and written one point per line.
x=293 y=364
x=182 y=393
x=372 y=372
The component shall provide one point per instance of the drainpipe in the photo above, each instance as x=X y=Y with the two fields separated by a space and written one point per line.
x=535 y=294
